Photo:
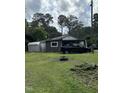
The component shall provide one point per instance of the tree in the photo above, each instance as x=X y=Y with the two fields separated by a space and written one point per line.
x=78 y=31
x=74 y=26
x=33 y=33
x=62 y=20
x=39 y=34
x=42 y=19
x=48 y=19
x=27 y=36
x=26 y=24
x=71 y=22
x=53 y=32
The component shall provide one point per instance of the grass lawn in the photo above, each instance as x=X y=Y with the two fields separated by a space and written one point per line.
x=45 y=74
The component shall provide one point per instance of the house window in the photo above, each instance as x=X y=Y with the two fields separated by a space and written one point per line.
x=54 y=44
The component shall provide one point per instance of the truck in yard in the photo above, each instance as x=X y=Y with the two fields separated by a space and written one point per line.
x=78 y=47
x=70 y=49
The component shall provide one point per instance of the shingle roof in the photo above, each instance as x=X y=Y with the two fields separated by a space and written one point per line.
x=65 y=37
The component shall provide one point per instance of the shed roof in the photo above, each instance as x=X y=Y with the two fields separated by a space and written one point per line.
x=34 y=43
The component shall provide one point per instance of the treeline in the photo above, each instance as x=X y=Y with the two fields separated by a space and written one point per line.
x=40 y=28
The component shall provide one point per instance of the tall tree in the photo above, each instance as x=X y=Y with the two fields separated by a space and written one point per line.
x=74 y=26
x=39 y=34
x=42 y=19
x=33 y=33
x=78 y=31
x=62 y=20
x=53 y=32
x=71 y=22
x=48 y=19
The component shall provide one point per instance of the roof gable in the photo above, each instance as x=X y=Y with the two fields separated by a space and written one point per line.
x=69 y=38
x=65 y=37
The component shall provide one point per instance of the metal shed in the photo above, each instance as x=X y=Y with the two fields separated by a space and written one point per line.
x=37 y=46
x=34 y=46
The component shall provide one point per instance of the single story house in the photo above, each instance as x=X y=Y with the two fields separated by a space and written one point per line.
x=55 y=44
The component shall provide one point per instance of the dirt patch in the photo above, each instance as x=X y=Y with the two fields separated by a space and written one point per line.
x=58 y=60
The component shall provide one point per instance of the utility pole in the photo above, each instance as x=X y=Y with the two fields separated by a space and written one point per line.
x=91 y=13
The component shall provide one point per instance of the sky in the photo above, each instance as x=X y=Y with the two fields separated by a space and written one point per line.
x=79 y=8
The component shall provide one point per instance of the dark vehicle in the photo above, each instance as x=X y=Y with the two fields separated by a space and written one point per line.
x=79 y=47
x=70 y=49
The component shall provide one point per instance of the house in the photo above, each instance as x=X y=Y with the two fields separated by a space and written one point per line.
x=55 y=44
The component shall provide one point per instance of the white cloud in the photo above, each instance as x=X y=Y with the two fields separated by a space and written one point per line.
x=79 y=8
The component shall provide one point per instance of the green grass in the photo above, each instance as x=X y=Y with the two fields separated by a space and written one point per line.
x=45 y=74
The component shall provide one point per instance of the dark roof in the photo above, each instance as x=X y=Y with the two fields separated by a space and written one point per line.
x=65 y=37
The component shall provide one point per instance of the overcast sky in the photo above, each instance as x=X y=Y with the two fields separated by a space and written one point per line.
x=79 y=8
